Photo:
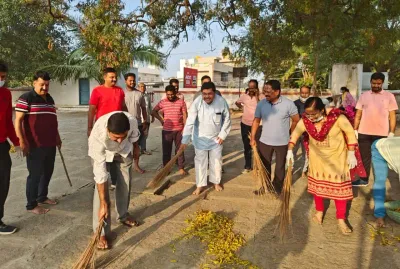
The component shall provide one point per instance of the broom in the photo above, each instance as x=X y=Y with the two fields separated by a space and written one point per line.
x=285 y=216
x=87 y=258
x=155 y=182
x=260 y=172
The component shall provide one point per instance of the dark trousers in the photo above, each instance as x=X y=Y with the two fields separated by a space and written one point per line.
x=246 y=130
x=168 y=138
x=142 y=136
x=5 y=172
x=40 y=162
x=365 y=143
x=266 y=153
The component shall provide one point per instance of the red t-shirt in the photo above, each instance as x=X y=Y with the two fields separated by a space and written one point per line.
x=107 y=99
x=6 y=125
x=173 y=114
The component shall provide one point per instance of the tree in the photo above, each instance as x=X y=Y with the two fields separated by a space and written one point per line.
x=28 y=41
x=81 y=65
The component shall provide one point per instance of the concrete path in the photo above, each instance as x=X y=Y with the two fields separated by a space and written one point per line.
x=55 y=240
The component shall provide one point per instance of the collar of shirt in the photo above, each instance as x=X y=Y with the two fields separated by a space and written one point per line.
x=381 y=92
x=277 y=102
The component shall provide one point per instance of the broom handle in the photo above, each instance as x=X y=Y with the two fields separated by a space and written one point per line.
x=65 y=167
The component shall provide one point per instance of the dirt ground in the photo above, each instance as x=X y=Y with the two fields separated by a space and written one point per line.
x=55 y=240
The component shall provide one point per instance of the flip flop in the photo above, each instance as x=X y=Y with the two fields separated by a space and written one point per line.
x=133 y=223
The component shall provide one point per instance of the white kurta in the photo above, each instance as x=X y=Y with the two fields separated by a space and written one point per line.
x=205 y=123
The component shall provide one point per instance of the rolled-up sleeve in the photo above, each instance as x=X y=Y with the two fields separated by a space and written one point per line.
x=226 y=127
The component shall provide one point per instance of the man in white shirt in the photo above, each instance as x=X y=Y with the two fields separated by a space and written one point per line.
x=112 y=139
x=208 y=124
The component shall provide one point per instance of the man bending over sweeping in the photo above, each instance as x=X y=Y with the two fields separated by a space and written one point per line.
x=208 y=124
x=111 y=141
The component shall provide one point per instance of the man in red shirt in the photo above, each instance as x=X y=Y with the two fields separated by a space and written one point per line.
x=173 y=120
x=6 y=131
x=105 y=98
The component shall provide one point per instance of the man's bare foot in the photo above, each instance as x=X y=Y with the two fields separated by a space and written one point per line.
x=130 y=222
x=39 y=210
x=380 y=223
x=218 y=187
x=139 y=170
x=343 y=227
x=182 y=172
x=198 y=190
x=102 y=244
x=49 y=202
x=318 y=217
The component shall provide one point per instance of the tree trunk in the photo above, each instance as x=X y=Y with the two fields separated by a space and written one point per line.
x=316 y=66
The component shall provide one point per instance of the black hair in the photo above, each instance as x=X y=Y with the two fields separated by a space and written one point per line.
x=109 y=70
x=173 y=80
x=344 y=89
x=118 y=123
x=3 y=67
x=254 y=81
x=330 y=99
x=315 y=103
x=208 y=85
x=205 y=77
x=276 y=85
x=41 y=74
x=126 y=76
x=170 y=88
x=307 y=87
x=378 y=75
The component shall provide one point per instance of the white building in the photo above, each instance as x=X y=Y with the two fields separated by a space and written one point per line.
x=220 y=69
x=151 y=76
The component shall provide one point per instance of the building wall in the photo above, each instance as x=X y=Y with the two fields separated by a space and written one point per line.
x=67 y=93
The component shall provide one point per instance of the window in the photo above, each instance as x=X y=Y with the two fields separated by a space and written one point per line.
x=224 y=77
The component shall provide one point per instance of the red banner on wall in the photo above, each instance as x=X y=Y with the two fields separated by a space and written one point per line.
x=189 y=77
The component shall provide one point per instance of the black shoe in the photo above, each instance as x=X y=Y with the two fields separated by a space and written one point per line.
x=6 y=229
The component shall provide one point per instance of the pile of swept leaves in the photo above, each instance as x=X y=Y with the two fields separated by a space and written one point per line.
x=217 y=232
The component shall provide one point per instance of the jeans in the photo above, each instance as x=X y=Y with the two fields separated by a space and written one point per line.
x=40 y=163
x=168 y=139
x=380 y=168
x=246 y=130
x=365 y=143
x=5 y=172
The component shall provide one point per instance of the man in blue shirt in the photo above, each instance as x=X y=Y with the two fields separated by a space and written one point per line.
x=208 y=124
x=275 y=111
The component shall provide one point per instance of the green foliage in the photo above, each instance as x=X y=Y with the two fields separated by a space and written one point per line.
x=28 y=41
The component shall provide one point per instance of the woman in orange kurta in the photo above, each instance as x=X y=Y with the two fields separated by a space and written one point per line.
x=331 y=151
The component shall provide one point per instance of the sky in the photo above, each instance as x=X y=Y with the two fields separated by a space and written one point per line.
x=187 y=50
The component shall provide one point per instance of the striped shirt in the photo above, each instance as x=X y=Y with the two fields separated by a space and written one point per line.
x=40 y=122
x=173 y=114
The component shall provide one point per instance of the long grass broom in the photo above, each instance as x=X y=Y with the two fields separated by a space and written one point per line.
x=155 y=182
x=264 y=182
x=285 y=216
x=87 y=259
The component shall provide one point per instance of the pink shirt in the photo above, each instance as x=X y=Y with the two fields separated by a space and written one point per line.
x=375 y=112
x=173 y=114
x=249 y=108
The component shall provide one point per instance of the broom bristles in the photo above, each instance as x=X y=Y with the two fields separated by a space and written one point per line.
x=165 y=171
x=285 y=216
x=86 y=260
x=260 y=172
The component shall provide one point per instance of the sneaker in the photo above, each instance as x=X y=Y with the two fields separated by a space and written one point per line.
x=360 y=183
x=112 y=187
x=7 y=229
x=246 y=171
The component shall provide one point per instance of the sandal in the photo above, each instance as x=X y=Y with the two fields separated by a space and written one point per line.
x=130 y=223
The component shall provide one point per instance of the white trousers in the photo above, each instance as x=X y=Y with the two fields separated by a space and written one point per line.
x=212 y=159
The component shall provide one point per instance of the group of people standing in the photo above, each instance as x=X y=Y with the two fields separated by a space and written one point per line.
x=335 y=140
